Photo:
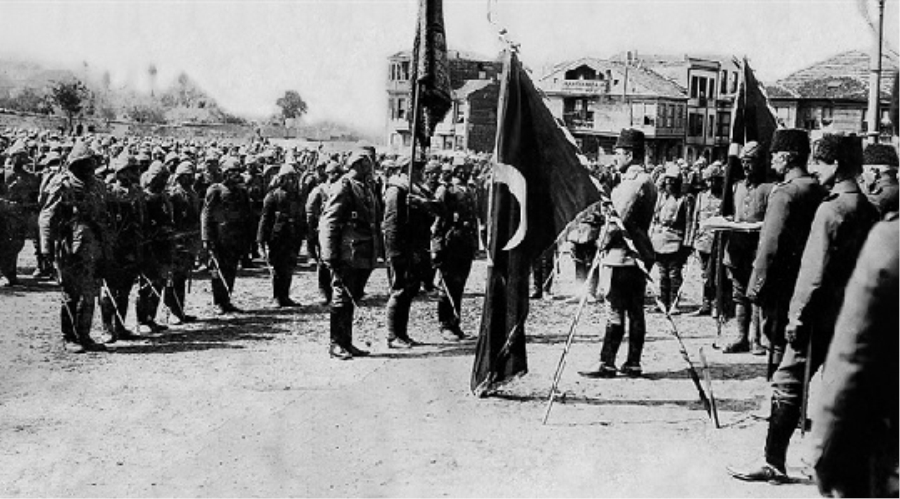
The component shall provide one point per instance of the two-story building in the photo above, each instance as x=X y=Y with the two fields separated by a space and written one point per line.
x=711 y=83
x=832 y=95
x=471 y=124
x=597 y=98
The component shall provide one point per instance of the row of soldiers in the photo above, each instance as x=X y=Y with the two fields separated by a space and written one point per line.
x=116 y=214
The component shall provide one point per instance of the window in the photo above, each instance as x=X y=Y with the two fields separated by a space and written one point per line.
x=401 y=108
x=711 y=128
x=712 y=88
x=827 y=115
x=734 y=81
x=723 y=88
x=680 y=116
x=404 y=70
x=724 y=125
x=670 y=118
x=695 y=84
x=663 y=114
x=695 y=125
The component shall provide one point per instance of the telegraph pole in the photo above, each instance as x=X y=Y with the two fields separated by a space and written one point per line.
x=873 y=115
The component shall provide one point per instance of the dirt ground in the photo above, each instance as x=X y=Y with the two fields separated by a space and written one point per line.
x=251 y=405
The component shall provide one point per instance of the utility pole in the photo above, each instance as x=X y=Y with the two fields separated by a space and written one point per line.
x=873 y=115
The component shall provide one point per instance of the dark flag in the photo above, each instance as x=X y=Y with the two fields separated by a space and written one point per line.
x=430 y=80
x=752 y=119
x=538 y=186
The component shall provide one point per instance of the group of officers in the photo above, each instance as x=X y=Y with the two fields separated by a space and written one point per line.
x=108 y=215
x=111 y=214
x=820 y=276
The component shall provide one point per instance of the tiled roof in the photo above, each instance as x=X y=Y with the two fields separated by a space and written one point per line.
x=843 y=76
x=651 y=82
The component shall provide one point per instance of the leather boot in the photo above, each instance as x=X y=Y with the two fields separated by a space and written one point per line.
x=740 y=343
x=612 y=339
x=340 y=332
x=636 y=335
x=782 y=422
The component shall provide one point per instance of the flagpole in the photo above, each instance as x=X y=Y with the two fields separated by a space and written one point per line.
x=414 y=126
x=501 y=113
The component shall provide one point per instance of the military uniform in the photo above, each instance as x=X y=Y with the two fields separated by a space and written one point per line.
x=281 y=227
x=454 y=242
x=256 y=191
x=856 y=431
x=73 y=221
x=668 y=233
x=634 y=200
x=790 y=209
x=225 y=229
x=315 y=204
x=126 y=214
x=159 y=228
x=348 y=243
x=18 y=209
x=583 y=236
x=407 y=239
x=186 y=240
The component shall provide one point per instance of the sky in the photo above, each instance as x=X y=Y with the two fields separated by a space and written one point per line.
x=246 y=54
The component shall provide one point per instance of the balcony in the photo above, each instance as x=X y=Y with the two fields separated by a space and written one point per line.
x=577 y=87
x=579 y=120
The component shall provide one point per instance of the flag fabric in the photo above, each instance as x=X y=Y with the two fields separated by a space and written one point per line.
x=752 y=119
x=430 y=80
x=538 y=186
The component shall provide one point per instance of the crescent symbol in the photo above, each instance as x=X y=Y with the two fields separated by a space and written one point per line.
x=505 y=174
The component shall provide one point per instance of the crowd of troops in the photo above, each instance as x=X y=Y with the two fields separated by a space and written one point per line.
x=107 y=215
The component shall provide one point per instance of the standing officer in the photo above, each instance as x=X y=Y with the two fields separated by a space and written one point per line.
x=454 y=241
x=348 y=244
x=127 y=214
x=669 y=232
x=281 y=232
x=225 y=229
x=836 y=237
x=633 y=199
x=256 y=191
x=314 y=206
x=20 y=190
x=791 y=208
x=881 y=163
x=408 y=216
x=751 y=198
x=186 y=240
x=73 y=222
x=708 y=204
x=156 y=266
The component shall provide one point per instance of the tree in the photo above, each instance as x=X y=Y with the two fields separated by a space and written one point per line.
x=70 y=98
x=292 y=105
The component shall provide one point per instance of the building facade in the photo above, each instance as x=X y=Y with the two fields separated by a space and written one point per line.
x=471 y=124
x=597 y=98
x=833 y=95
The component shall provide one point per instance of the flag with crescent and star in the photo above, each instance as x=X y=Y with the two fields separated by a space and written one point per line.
x=538 y=185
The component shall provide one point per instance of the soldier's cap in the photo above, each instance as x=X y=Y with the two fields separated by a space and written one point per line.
x=250 y=159
x=286 y=169
x=701 y=162
x=142 y=156
x=367 y=149
x=793 y=140
x=230 y=163
x=844 y=149
x=388 y=164
x=171 y=157
x=672 y=171
x=212 y=155
x=449 y=167
x=185 y=168
x=880 y=154
x=432 y=166
x=80 y=151
x=357 y=157
x=713 y=171
x=332 y=166
x=751 y=150
x=123 y=162
x=18 y=147
x=51 y=158
x=630 y=138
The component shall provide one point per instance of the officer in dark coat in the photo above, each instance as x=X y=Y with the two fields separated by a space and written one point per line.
x=789 y=213
x=836 y=237
x=159 y=230
x=634 y=200
x=348 y=244
x=256 y=190
x=225 y=229
x=186 y=238
x=73 y=222
x=751 y=197
x=280 y=232
x=315 y=204
x=454 y=242
x=408 y=215
x=856 y=431
x=126 y=213
x=18 y=198
x=881 y=163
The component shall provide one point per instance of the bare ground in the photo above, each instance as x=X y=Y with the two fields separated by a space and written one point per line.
x=251 y=405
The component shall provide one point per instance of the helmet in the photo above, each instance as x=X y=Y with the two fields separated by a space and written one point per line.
x=713 y=171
